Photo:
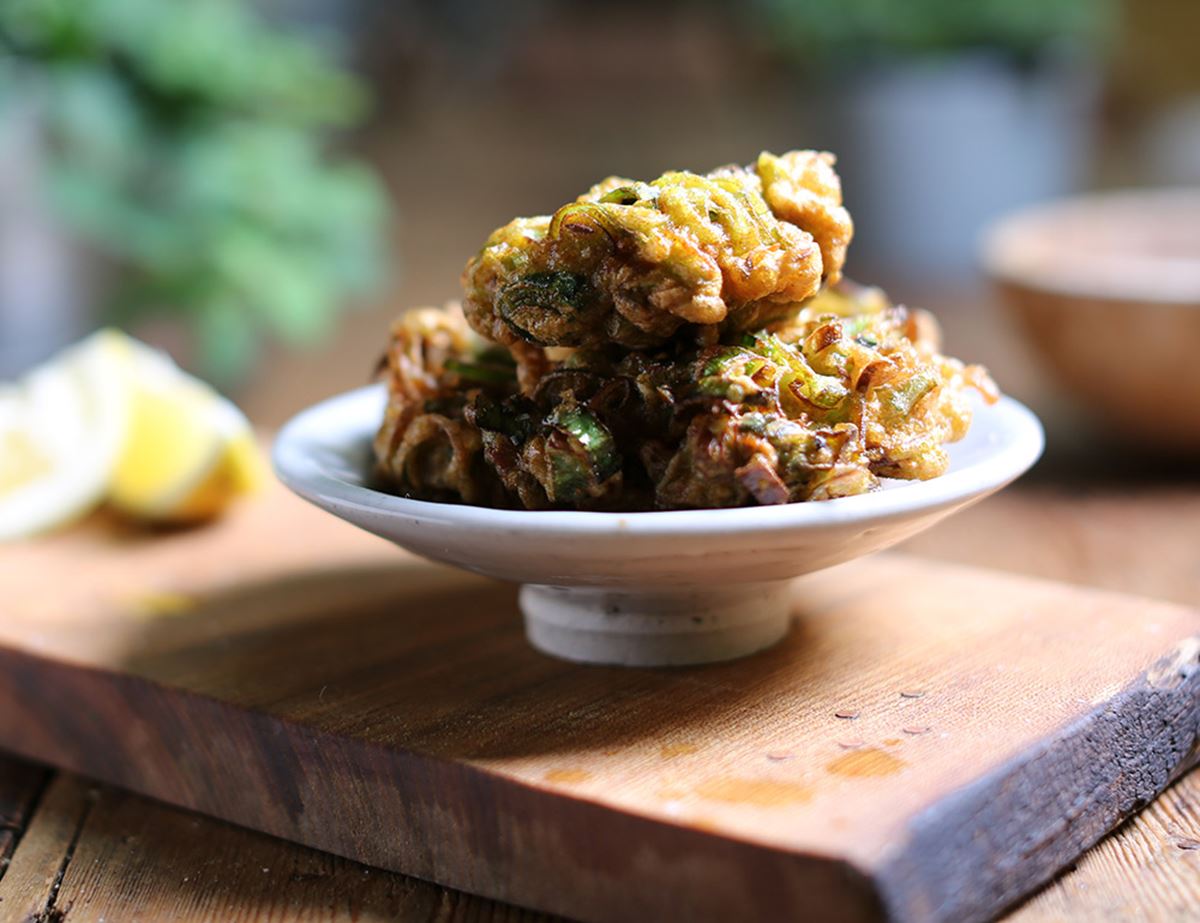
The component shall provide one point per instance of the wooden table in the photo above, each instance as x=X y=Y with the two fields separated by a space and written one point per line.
x=77 y=852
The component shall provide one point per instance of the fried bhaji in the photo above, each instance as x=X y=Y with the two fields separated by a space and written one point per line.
x=677 y=344
x=848 y=389
x=634 y=264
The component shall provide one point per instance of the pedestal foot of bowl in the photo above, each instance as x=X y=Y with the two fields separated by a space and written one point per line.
x=655 y=626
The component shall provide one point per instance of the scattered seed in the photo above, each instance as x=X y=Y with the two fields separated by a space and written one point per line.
x=778 y=756
x=916 y=729
x=1186 y=842
x=852 y=743
x=846 y=715
x=912 y=694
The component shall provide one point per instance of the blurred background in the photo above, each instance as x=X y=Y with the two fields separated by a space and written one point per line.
x=259 y=187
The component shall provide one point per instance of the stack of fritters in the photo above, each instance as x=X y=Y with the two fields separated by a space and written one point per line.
x=677 y=344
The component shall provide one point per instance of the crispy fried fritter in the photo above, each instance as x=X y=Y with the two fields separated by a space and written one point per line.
x=433 y=367
x=671 y=345
x=631 y=263
x=841 y=392
x=802 y=188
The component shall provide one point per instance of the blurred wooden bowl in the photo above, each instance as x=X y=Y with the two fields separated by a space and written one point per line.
x=1107 y=291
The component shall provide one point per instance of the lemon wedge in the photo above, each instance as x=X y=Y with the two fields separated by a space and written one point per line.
x=112 y=419
x=62 y=430
x=188 y=452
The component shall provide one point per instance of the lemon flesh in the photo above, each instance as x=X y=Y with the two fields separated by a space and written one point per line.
x=238 y=471
x=188 y=452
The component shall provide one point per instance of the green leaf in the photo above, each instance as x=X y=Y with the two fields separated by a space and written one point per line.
x=188 y=142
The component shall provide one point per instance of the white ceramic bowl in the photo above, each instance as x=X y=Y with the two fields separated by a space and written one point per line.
x=644 y=589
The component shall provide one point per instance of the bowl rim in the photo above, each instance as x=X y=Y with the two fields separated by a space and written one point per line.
x=1175 y=281
x=295 y=465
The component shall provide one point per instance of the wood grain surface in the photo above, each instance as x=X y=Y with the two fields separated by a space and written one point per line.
x=93 y=854
x=20 y=784
x=1138 y=538
x=149 y=862
x=30 y=888
x=1149 y=870
x=738 y=782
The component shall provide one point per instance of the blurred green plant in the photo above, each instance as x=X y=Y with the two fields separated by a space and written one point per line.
x=189 y=141
x=833 y=32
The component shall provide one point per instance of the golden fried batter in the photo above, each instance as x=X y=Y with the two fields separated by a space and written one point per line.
x=802 y=188
x=632 y=263
x=848 y=389
x=423 y=438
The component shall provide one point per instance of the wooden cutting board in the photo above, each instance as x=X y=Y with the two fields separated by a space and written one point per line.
x=930 y=743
